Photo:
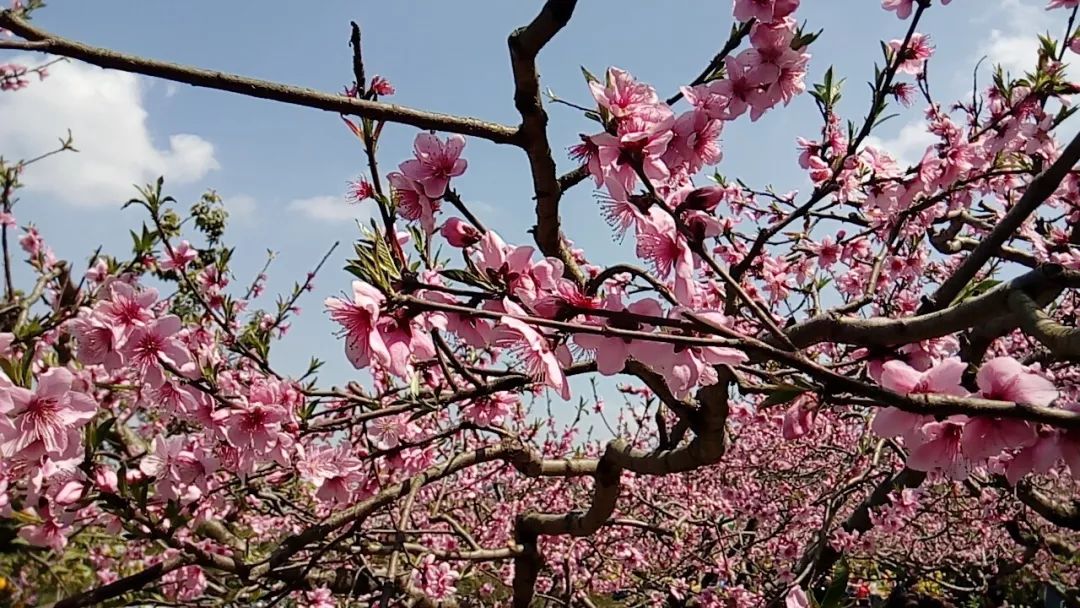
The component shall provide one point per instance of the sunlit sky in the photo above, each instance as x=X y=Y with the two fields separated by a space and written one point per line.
x=283 y=169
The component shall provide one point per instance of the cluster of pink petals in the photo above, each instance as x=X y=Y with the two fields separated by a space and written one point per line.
x=180 y=256
x=125 y=336
x=45 y=421
x=757 y=79
x=375 y=338
x=646 y=140
x=13 y=77
x=915 y=54
x=904 y=8
x=124 y=330
x=420 y=182
x=335 y=473
x=436 y=579
x=179 y=465
x=954 y=445
x=491 y=410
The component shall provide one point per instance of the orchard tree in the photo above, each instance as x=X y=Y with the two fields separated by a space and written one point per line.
x=865 y=394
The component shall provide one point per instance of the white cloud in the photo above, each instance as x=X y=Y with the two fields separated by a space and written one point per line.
x=1015 y=47
x=908 y=146
x=104 y=111
x=330 y=209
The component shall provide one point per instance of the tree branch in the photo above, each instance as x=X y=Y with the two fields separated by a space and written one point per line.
x=1044 y=281
x=1040 y=189
x=707 y=448
x=525 y=44
x=119 y=587
x=42 y=41
x=1063 y=341
x=1064 y=513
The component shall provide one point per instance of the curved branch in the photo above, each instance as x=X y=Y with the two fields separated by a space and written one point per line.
x=1064 y=513
x=707 y=448
x=885 y=331
x=598 y=281
x=41 y=41
x=525 y=44
x=936 y=405
x=1061 y=340
x=951 y=245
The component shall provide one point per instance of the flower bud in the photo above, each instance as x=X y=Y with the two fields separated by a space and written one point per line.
x=705 y=198
x=459 y=233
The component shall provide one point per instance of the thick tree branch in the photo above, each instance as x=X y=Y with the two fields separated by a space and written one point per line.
x=1040 y=283
x=834 y=382
x=1040 y=189
x=42 y=41
x=1056 y=544
x=1063 y=341
x=119 y=587
x=1060 y=512
x=525 y=44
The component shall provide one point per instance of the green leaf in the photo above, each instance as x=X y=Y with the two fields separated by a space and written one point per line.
x=977 y=288
x=784 y=394
x=101 y=432
x=136 y=244
x=464 y=276
x=837 y=591
x=10 y=370
x=883 y=119
x=589 y=76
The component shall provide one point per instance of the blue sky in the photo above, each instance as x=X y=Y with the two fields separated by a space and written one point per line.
x=283 y=169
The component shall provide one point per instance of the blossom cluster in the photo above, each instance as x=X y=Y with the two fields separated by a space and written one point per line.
x=796 y=406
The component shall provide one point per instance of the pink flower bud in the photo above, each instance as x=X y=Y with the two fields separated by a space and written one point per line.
x=705 y=198
x=69 y=494
x=459 y=233
x=106 y=480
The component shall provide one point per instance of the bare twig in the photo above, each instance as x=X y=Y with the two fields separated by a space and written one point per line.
x=45 y=42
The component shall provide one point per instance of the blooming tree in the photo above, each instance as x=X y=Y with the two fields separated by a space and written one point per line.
x=859 y=394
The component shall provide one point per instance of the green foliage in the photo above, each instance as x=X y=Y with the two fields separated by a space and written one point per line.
x=210 y=216
x=836 y=594
x=828 y=93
